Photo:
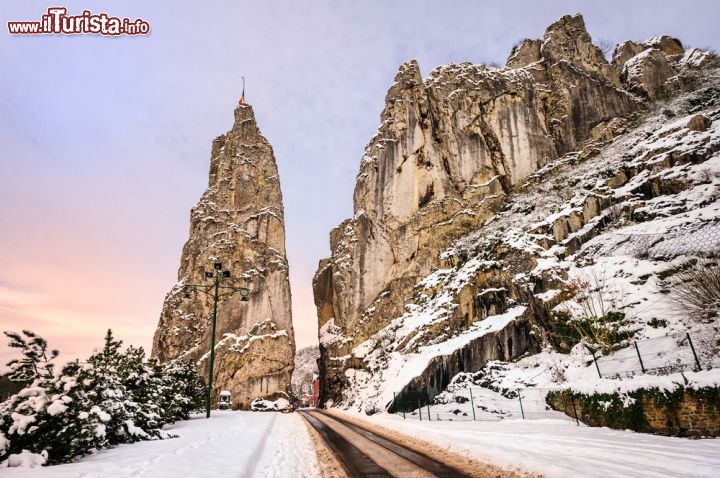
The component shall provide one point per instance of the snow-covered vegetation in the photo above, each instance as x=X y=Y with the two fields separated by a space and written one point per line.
x=115 y=396
x=281 y=404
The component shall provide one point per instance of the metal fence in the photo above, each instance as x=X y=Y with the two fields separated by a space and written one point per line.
x=701 y=239
x=481 y=404
x=660 y=356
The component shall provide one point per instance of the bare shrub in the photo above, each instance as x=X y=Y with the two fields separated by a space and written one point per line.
x=595 y=319
x=614 y=213
x=557 y=371
x=606 y=46
x=706 y=176
x=596 y=295
x=696 y=292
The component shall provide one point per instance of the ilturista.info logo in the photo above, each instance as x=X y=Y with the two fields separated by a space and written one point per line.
x=57 y=22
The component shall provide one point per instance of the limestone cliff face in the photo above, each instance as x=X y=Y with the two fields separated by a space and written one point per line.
x=449 y=149
x=239 y=221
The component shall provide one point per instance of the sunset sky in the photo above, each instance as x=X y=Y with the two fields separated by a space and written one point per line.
x=105 y=142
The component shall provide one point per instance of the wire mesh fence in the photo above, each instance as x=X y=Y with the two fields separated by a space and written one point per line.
x=481 y=404
x=662 y=355
x=702 y=238
x=699 y=350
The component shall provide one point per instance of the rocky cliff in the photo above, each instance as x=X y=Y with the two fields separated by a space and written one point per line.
x=449 y=152
x=239 y=221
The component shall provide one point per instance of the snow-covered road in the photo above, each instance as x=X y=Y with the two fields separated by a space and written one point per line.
x=275 y=445
x=229 y=444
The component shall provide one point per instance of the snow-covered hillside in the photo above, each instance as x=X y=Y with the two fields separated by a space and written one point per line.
x=612 y=225
x=305 y=369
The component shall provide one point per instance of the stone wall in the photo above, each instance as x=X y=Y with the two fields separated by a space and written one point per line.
x=684 y=412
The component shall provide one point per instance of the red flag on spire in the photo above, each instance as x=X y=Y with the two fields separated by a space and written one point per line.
x=242 y=98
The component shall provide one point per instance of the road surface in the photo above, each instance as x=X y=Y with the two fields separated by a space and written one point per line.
x=365 y=454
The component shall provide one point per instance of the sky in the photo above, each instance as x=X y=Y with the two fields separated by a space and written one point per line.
x=105 y=141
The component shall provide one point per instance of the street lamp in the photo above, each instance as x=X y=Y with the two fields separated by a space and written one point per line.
x=214 y=288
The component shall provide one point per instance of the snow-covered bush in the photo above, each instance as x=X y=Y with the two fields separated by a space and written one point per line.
x=26 y=459
x=278 y=402
x=114 y=397
x=591 y=315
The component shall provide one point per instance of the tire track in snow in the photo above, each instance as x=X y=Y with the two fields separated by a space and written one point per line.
x=257 y=452
x=289 y=445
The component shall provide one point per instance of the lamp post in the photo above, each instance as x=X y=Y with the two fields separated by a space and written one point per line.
x=214 y=289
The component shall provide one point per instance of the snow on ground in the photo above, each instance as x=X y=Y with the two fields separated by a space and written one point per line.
x=560 y=448
x=247 y=444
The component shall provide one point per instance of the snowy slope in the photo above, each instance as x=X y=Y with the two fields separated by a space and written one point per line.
x=272 y=445
x=653 y=192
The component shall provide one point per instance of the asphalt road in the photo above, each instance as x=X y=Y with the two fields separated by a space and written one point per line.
x=365 y=454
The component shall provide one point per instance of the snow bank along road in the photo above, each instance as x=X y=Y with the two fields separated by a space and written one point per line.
x=559 y=448
x=229 y=444
x=365 y=454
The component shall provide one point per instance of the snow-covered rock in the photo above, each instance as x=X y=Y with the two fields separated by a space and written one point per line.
x=239 y=221
x=26 y=459
x=466 y=237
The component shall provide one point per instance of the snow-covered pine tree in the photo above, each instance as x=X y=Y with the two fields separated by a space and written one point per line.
x=72 y=425
x=101 y=377
x=126 y=389
x=36 y=359
x=54 y=416
x=143 y=386
x=183 y=390
x=114 y=397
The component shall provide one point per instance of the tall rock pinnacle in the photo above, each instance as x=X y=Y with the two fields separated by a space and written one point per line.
x=239 y=221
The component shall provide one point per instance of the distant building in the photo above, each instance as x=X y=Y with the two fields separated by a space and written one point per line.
x=315 y=390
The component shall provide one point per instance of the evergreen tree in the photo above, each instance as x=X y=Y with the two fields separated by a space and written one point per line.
x=36 y=360
x=184 y=390
x=72 y=424
x=103 y=383
x=54 y=415
x=143 y=391
x=114 y=397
